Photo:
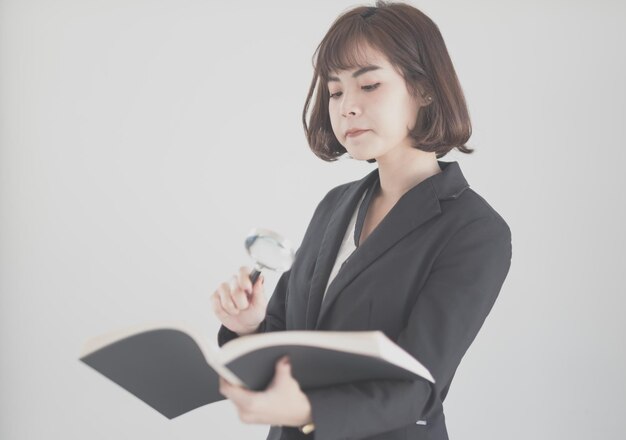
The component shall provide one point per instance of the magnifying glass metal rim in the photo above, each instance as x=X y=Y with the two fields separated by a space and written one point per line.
x=281 y=241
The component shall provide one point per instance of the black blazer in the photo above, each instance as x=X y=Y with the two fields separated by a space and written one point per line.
x=427 y=276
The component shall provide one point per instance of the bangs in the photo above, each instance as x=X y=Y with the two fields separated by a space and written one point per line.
x=346 y=50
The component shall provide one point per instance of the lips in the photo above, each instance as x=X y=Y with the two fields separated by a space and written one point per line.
x=353 y=133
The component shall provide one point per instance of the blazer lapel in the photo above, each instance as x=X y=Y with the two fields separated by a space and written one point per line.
x=415 y=207
x=331 y=242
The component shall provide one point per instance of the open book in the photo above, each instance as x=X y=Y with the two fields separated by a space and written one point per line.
x=174 y=369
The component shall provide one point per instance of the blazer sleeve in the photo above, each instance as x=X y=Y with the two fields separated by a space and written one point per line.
x=450 y=309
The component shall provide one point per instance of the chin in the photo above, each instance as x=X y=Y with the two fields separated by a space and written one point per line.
x=358 y=156
x=361 y=155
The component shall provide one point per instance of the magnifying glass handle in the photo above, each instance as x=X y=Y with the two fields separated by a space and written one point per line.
x=254 y=276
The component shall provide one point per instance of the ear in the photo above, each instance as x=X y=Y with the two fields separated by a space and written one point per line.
x=424 y=98
x=421 y=97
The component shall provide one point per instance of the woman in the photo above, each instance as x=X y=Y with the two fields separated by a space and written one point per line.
x=427 y=255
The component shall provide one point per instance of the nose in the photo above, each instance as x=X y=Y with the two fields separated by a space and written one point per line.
x=349 y=105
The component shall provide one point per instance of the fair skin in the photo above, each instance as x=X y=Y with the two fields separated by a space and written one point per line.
x=388 y=111
x=282 y=402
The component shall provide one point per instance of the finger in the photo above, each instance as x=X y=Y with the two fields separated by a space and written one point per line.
x=281 y=373
x=244 y=279
x=224 y=390
x=223 y=384
x=237 y=294
x=226 y=300
x=239 y=395
x=283 y=364
x=217 y=307
x=258 y=291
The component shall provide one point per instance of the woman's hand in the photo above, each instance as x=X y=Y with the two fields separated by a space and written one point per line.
x=240 y=306
x=282 y=404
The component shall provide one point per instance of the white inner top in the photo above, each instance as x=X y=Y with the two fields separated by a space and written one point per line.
x=347 y=246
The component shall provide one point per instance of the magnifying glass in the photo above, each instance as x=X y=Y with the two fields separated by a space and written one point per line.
x=269 y=250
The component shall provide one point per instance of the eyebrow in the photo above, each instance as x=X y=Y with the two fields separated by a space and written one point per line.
x=361 y=71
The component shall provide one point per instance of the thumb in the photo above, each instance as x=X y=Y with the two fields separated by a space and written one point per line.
x=283 y=366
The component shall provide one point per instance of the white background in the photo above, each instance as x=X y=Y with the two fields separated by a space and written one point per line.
x=141 y=140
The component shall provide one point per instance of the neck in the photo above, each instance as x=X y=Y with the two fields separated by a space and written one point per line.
x=401 y=170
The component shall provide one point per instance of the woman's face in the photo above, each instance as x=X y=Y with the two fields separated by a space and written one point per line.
x=375 y=98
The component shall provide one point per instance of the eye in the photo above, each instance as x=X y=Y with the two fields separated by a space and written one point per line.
x=368 y=88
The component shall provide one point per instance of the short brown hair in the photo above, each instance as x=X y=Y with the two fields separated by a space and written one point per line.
x=414 y=46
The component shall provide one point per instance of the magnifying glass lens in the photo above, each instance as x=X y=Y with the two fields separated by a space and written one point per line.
x=269 y=250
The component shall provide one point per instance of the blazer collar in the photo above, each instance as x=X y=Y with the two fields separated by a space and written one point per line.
x=415 y=207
